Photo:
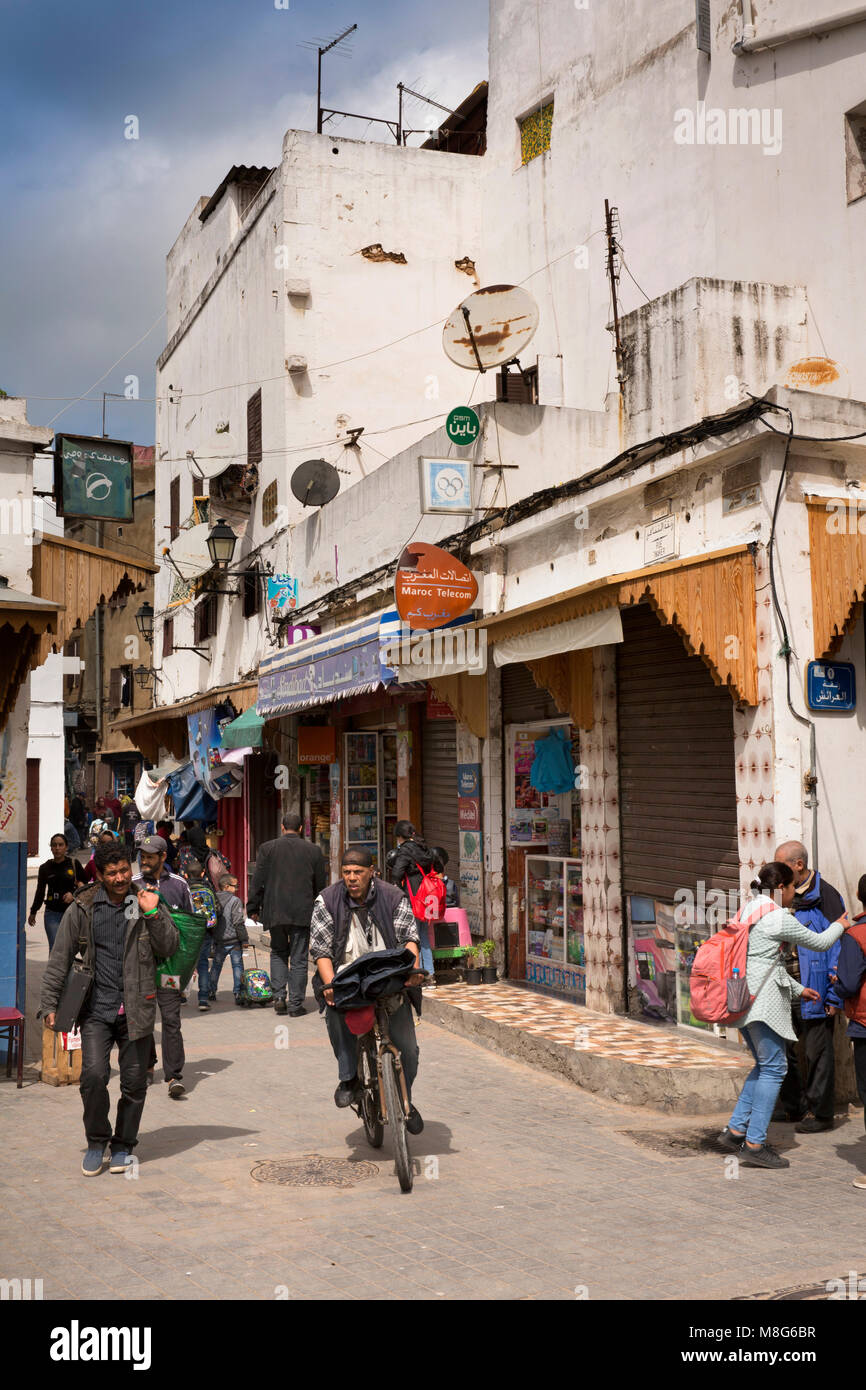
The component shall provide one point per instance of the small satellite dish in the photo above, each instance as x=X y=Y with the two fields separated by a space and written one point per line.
x=490 y=328
x=315 y=482
x=189 y=551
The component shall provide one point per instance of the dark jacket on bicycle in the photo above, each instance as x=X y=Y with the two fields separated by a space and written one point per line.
x=329 y=929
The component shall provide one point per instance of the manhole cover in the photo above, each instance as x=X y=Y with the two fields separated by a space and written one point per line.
x=313 y=1171
x=675 y=1143
x=846 y=1286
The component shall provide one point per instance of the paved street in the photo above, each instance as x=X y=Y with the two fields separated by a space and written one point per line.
x=528 y=1187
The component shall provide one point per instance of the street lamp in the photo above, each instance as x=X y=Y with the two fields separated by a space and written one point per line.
x=144 y=621
x=221 y=544
x=144 y=674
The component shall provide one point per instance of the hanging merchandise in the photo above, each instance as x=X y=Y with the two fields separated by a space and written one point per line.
x=553 y=766
x=150 y=797
x=191 y=801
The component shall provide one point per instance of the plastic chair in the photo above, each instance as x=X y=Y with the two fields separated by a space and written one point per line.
x=11 y=1021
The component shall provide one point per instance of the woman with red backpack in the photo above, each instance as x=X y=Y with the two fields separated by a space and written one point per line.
x=410 y=864
x=767 y=1023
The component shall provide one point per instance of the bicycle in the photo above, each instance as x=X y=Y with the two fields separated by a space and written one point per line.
x=384 y=1095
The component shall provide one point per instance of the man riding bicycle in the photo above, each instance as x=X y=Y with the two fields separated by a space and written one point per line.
x=351 y=918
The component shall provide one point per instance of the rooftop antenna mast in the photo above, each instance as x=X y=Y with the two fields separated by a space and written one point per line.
x=321 y=52
x=401 y=88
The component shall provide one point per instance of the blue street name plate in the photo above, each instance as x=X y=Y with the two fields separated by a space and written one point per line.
x=830 y=686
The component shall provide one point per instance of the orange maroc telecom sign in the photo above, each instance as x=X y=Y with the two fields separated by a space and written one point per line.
x=431 y=587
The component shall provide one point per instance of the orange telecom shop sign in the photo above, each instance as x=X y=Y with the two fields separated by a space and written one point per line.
x=431 y=587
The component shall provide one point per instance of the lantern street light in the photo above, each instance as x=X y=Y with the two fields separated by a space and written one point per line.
x=221 y=544
x=144 y=621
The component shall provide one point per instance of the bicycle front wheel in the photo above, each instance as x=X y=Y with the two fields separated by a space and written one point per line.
x=373 y=1126
x=396 y=1120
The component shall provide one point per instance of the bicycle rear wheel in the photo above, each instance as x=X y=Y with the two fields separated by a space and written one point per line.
x=373 y=1127
x=397 y=1121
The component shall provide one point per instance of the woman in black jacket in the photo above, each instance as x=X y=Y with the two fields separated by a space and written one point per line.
x=59 y=877
x=408 y=864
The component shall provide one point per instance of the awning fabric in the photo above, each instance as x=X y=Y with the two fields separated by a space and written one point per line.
x=592 y=630
x=324 y=668
x=25 y=621
x=422 y=655
x=245 y=731
x=708 y=599
x=165 y=726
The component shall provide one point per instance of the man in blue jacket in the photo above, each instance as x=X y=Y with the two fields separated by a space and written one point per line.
x=817 y=905
x=851 y=985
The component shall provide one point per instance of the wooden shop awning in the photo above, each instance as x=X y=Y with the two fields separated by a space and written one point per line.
x=708 y=599
x=165 y=726
x=24 y=619
x=837 y=553
x=79 y=577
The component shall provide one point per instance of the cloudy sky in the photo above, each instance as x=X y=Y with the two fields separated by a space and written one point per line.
x=89 y=215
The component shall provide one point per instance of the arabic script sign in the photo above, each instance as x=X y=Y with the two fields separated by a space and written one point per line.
x=831 y=688
x=431 y=587
x=462 y=425
x=93 y=477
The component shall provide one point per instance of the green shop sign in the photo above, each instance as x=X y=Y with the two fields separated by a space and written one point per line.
x=93 y=477
x=462 y=425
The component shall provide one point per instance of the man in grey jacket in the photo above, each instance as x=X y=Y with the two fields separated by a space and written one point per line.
x=119 y=935
x=290 y=874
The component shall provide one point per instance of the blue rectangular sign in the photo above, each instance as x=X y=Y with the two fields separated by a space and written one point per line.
x=830 y=686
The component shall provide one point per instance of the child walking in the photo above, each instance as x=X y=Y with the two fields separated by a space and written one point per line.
x=230 y=936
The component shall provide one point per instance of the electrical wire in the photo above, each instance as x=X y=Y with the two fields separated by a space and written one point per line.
x=110 y=369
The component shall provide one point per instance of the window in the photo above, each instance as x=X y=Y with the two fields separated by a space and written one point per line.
x=254 y=429
x=252 y=591
x=174 y=508
x=520 y=390
x=704 y=25
x=269 y=504
x=535 y=133
x=119 y=687
x=205 y=619
x=167 y=638
x=855 y=153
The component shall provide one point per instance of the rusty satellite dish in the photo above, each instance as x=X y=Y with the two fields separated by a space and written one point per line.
x=490 y=328
x=315 y=482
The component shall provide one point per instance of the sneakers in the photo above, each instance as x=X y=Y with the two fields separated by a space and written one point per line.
x=414 y=1123
x=93 y=1162
x=812 y=1125
x=860 y=1182
x=120 y=1160
x=731 y=1143
x=280 y=1006
x=238 y=1000
x=345 y=1093
x=176 y=1087
x=297 y=1013
x=204 y=1007
x=212 y=996
x=764 y=1157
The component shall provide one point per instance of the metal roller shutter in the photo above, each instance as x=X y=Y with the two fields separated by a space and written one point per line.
x=522 y=700
x=439 y=789
x=678 y=801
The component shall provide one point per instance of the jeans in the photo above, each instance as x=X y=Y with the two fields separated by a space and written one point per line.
x=290 y=943
x=52 y=921
x=860 y=1069
x=754 y=1109
x=818 y=1093
x=173 y=1055
x=203 y=968
x=426 y=948
x=97 y=1039
x=402 y=1028
x=236 y=951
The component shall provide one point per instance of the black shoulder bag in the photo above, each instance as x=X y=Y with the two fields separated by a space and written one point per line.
x=76 y=992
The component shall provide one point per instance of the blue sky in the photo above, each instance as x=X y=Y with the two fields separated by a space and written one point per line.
x=88 y=216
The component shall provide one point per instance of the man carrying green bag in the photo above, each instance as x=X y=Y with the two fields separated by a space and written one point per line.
x=174 y=974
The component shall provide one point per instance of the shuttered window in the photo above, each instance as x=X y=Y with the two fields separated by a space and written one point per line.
x=702 y=12
x=115 y=687
x=167 y=638
x=205 y=619
x=252 y=593
x=439 y=821
x=174 y=507
x=678 y=803
x=254 y=428
x=517 y=388
x=269 y=504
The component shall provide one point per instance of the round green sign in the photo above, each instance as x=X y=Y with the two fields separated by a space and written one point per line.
x=462 y=425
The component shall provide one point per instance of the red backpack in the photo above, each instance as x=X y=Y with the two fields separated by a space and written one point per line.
x=428 y=899
x=717 y=986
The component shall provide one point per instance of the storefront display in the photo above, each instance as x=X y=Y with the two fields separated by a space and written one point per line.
x=370 y=792
x=555 y=949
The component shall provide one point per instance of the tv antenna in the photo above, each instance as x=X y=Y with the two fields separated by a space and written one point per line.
x=490 y=328
x=315 y=482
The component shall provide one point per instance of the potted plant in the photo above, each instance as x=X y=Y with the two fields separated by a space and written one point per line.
x=473 y=969
x=488 y=969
